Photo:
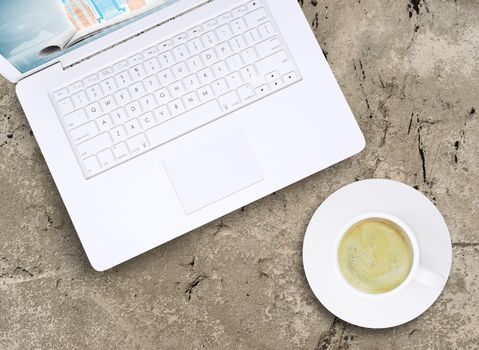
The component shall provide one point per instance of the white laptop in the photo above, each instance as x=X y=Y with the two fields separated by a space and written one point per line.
x=156 y=117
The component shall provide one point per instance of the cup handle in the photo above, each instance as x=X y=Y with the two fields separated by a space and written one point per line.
x=429 y=278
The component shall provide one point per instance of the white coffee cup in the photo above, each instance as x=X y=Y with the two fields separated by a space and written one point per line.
x=417 y=272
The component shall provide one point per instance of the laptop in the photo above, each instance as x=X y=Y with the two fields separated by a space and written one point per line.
x=156 y=117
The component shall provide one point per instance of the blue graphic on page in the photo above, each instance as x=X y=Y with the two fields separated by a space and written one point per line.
x=34 y=32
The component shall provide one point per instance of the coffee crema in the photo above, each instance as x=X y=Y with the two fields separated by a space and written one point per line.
x=375 y=255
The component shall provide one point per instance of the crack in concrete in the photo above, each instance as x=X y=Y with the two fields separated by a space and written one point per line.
x=192 y=285
x=465 y=244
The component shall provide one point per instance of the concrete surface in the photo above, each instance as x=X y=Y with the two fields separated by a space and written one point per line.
x=410 y=72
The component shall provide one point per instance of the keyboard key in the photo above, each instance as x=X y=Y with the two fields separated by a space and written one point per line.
x=253 y=4
x=138 y=144
x=239 y=11
x=92 y=166
x=249 y=73
x=104 y=123
x=229 y=101
x=133 y=109
x=152 y=66
x=180 y=52
x=268 y=46
x=226 y=17
x=165 y=46
x=106 y=159
x=166 y=59
x=147 y=102
x=252 y=37
x=162 y=114
x=66 y=106
x=238 y=43
x=166 y=77
x=249 y=55
x=290 y=77
x=224 y=32
x=147 y=120
x=206 y=75
x=206 y=94
x=272 y=76
x=94 y=92
x=246 y=93
x=94 y=145
x=220 y=69
x=75 y=87
x=220 y=87
x=151 y=83
x=209 y=57
x=106 y=73
x=209 y=39
x=194 y=63
x=211 y=24
x=238 y=25
x=80 y=99
x=119 y=116
x=137 y=90
x=162 y=96
x=60 y=94
x=176 y=89
x=266 y=30
x=136 y=59
x=120 y=151
x=279 y=61
x=180 y=70
x=191 y=82
x=223 y=50
x=180 y=39
x=191 y=100
x=262 y=90
x=137 y=72
x=118 y=134
x=195 y=31
x=90 y=80
x=84 y=132
x=75 y=119
x=176 y=107
x=120 y=66
x=255 y=18
x=195 y=46
x=122 y=96
x=234 y=80
x=123 y=79
x=108 y=104
x=133 y=126
x=108 y=85
x=277 y=84
x=93 y=110
x=151 y=52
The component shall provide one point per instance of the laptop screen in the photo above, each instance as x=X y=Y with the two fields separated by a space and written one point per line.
x=33 y=32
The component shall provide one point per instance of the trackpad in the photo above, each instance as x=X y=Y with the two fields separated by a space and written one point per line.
x=213 y=170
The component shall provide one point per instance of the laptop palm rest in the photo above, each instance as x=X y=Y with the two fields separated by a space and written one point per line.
x=213 y=170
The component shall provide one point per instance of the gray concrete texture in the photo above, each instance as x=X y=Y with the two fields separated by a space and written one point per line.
x=410 y=71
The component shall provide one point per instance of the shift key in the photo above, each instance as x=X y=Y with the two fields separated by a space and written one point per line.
x=276 y=62
x=94 y=145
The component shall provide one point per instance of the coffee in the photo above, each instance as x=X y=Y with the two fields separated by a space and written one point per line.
x=375 y=255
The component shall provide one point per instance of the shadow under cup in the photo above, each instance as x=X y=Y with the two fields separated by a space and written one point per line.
x=377 y=255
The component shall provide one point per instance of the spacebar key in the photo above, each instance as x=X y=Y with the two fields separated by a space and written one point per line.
x=184 y=123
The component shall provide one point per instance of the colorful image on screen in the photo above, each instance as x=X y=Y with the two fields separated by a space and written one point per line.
x=33 y=32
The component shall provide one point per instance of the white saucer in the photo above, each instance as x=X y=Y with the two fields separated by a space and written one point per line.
x=319 y=255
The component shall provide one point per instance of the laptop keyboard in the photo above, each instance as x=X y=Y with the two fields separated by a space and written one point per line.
x=174 y=87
